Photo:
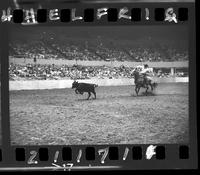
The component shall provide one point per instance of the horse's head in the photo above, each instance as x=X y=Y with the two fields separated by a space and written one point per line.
x=135 y=73
x=137 y=77
x=75 y=84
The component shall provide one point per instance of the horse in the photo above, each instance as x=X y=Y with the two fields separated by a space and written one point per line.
x=142 y=81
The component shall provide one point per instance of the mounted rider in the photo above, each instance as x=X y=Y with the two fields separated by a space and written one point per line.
x=146 y=72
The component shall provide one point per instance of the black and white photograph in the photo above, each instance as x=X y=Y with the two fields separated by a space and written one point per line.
x=93 y=85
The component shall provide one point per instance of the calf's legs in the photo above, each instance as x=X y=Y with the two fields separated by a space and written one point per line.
x=94 y=94
x=89 y=94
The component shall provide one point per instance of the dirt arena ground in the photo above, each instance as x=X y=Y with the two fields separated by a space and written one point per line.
x=117 y=116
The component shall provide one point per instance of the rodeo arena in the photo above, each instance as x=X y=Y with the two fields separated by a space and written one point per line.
x=69 y=90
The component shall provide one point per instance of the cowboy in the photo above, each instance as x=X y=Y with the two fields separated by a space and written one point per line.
x=146 y=72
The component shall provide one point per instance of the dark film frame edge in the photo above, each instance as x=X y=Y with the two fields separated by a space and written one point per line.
x=6 y=141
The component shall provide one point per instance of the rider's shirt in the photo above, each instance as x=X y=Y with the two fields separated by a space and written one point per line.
x=147 y=72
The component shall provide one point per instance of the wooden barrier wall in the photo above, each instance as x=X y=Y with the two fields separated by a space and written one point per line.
x=60 y=84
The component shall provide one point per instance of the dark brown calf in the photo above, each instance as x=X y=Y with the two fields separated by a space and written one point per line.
x=84 y=87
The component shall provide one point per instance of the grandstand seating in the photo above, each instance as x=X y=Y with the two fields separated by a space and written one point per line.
x=82 y=50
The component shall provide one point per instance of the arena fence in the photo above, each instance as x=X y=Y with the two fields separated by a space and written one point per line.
x=60 y=84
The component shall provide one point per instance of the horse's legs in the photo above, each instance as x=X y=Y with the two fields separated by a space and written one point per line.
x=89 y=94
x=136 y=90
x=147 y=89
x=151 y=87
x=155 y=85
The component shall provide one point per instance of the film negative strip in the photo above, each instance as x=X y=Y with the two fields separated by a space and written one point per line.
x=98 y=85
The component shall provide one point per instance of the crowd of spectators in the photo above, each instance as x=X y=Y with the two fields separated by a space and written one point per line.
x=154 y=55
x=55 y=72
x=33 y=49
x=145 y=54
x=53 y=49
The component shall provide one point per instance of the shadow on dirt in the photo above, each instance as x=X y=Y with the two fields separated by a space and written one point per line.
x=148 y=94
x=142 y=94
x=85 y=99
